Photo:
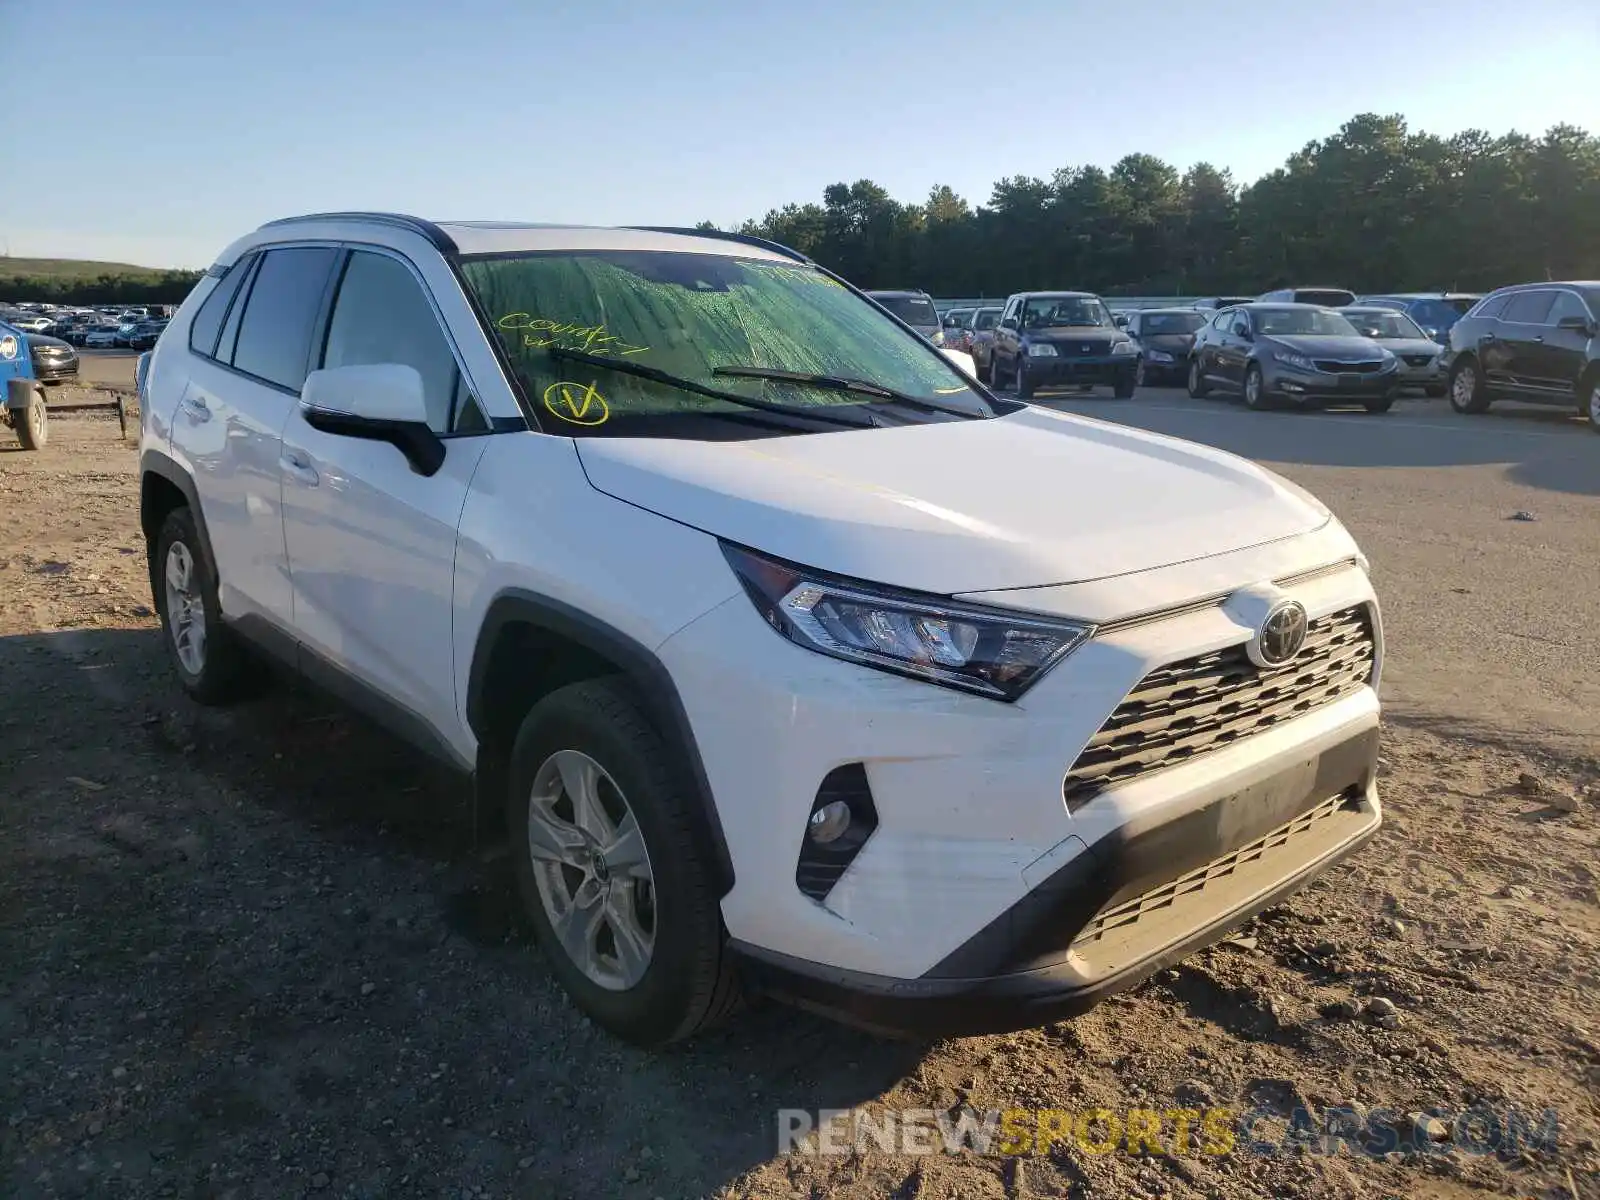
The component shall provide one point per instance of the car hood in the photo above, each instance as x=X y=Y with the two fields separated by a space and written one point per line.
x=1033 y=498
x=1411 y=345
x=39 y=341
x=1322 y=345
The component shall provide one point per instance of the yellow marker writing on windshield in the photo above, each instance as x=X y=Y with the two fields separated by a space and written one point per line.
x=577 y=404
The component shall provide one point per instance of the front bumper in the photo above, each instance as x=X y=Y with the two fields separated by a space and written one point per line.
x=1085 y=369
x=50 y=370
x=1294 y=384
x=975 y=856
x=1117 y=912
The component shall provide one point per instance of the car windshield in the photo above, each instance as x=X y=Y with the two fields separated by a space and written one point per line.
x=1153 y=323
x=702 y=320
x=1390 y=325
x=913 y=310
x=1065 y=311
x=1291 y=321
x=987 y=318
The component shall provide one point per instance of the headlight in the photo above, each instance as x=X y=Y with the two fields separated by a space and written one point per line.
x=1158 y=356
x=1291 y=358
x=1041 y=350
x=1124 y=347
x=985 y=651
x=938 y=337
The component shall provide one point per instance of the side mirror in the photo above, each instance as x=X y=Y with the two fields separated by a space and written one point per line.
x=1009 y=323
x=1121 y=320
x=1582 y=324
x=381 y=402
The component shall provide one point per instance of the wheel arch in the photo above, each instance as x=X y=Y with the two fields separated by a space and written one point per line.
x=529 y=645
x=164 y=487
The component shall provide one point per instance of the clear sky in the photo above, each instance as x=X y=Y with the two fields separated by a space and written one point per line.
x=155 y=131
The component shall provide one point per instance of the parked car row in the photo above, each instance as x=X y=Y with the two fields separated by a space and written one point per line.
x=133 y=327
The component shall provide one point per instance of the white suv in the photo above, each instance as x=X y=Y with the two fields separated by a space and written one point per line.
x=797 y=661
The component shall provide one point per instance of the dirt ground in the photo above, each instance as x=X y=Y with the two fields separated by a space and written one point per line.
x=255 y=953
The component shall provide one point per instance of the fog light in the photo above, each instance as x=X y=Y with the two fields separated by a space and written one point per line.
x=828 y=823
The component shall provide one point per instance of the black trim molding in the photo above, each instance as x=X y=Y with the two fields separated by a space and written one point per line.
x=643 y=669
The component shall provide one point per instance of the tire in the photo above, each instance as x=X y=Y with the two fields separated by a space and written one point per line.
x=1124 y=387
x=1255 y=388
x=1024 y=384
x=1380 y=406
x=1589 y=399
x=1139 y=374
x=33 y=422
x=1468 y=391
x=1435 y=391
x=997 y=379
x=685 y=982
x=220 y=667
x=1199 y=389
x=985 y=373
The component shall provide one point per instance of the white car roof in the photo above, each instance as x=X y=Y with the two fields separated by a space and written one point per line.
x=499 y=237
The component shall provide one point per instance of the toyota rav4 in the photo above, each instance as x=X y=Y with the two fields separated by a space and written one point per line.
x=797 y=662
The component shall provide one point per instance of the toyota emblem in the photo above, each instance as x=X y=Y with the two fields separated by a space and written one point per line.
x=1282 y=634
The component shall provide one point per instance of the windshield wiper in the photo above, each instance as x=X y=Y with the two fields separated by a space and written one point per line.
x=835 y=383
x=699 y=389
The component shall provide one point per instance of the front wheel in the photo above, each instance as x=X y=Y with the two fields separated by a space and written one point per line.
x=1468 y=392
x=1024 y=384
x=1199 y=389
x=1380 y=406
x=1590 y=390
x=617 y=888
x=32 y=422
x=1124 y=387
x=212 y=664
x=1434 y=391
x=1255 y=392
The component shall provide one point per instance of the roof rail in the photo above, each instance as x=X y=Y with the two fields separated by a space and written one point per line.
x=748 y=239
x=441 y=240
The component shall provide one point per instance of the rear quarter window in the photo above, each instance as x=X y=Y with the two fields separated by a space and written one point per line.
x=1492 y=306
x=207 y=323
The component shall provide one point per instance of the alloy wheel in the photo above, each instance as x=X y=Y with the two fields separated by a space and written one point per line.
x=1465 y=385
x=592 y=870
x=1594 y=404
x=186 y=610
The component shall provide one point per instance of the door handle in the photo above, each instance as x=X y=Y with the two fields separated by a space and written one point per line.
x=1539 y=338
x=196 y=407
x=297 y=462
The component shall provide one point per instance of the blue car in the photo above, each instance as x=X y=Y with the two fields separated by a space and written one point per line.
x=1436 y=312
x=24 y=398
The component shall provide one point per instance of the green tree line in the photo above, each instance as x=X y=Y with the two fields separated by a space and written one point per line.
x=1374 y=207
x=145 y=287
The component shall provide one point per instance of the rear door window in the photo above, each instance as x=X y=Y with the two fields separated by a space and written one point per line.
x=1530 y=308
x=274 y=341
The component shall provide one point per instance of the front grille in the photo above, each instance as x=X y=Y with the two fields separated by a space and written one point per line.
x=1185 y=709
x=1418 y=360
x=1334 y=367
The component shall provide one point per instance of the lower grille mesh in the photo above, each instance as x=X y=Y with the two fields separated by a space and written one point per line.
x=1187 y=888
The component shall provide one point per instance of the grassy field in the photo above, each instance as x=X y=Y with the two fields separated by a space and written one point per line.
x=72 y=268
